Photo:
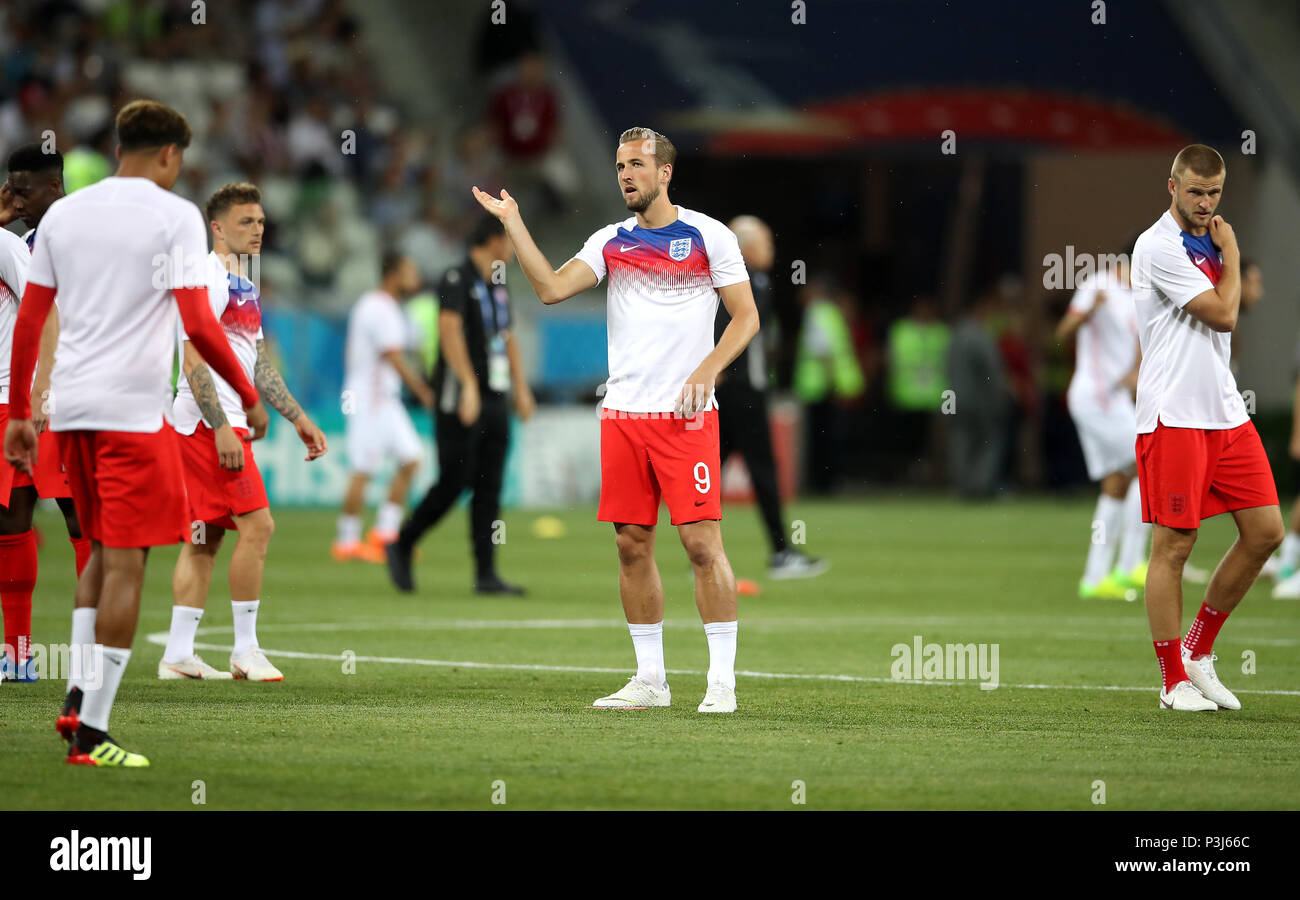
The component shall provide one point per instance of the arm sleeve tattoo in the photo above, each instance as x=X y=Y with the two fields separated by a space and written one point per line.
x=270 y=384
x=205 y=395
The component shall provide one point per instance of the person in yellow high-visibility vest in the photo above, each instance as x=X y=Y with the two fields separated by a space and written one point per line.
x=826 y=371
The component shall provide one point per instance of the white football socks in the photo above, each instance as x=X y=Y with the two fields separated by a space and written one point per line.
x=180 y=640
x=389 y=518
x=648 y=642
x=1107 y=523
x=80 y=645
x=722 y=652
x=349 y=529
x=245 y=614
x=110 y=663
x=1133 y=549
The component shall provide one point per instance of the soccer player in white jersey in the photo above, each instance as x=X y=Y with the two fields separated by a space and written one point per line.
x=375 y=365
x=1198 y=452
x=1100 y=399
x=667 y=268
x=35 y=182
x=221 y=477
x=122 y=255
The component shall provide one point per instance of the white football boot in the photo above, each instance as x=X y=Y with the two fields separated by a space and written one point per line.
x=193 y=669
x=1288 y=588
x=1206 y=680
x=253 y=665
x=718 y=699
x=1186 y=698
x=636 y=693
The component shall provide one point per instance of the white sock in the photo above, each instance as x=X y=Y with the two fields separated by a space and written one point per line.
x=83 y=638
x=180 y=640
x=648 y=642
x=245 y=614
x=349 y=529
x=1290 y=550
x=1106 y=525
x=389 y=518
x=98 y=701
x=1133 y=550
x=722 y=652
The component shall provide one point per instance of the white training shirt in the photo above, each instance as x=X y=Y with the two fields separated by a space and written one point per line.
x=237 y=305
x=376 y=325
x=14 y=260
x=1106 y=344
x=114 y=251
x=663 y=299
x=1185 y=381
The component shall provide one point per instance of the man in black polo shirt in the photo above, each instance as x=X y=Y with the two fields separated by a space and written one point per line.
x=477 y=365
x=742 y=405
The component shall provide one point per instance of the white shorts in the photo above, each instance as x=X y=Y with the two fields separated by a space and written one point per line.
x=1107 y=434
x=383 y=432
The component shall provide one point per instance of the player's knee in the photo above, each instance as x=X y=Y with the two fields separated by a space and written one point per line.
x=1173 y=552
x=633 y=548
x=1263 y=542
x=702 y=550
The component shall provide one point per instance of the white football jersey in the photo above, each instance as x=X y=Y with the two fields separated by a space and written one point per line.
x=662 y=301
x=237 y=305
x=1185 y=380
x=114 y=252
x=1106 y=345
x=14 y=260
x=376 y=325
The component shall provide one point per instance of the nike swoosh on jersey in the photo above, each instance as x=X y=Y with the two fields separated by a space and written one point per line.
x=622 y=249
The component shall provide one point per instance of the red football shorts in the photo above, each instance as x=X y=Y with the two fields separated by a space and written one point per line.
x=645 y=456
x=51 y=480
x=1190 y=474
x=128 y=486
x=215 y=493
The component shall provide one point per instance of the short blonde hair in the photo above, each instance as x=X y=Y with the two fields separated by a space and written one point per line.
x=1199 y=160
x=664 y=152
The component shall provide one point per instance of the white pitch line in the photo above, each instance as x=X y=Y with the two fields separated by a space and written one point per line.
x=160 y=638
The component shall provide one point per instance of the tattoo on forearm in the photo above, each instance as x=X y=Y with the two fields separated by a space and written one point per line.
x=270 y=384
x=205 y=395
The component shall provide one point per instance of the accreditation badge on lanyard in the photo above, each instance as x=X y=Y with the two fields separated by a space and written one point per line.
x=496 y=318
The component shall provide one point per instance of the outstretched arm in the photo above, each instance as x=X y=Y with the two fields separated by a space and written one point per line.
x=551 y=286
x=270 y=384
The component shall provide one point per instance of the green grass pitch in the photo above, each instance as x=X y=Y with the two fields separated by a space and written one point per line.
x=457 y=700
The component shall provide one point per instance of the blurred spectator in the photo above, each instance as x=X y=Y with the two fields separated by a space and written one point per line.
x=524 y=114
x=977 y=428
x=917 y=353
x=826 y=374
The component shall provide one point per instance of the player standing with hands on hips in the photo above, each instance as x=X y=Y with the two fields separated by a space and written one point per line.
x=1198 y=452
x=668 y=266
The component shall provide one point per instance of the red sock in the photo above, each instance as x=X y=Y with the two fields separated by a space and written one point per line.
x=1200 y=637
x=17 y=581
x=1170 y=654
x=81 y=547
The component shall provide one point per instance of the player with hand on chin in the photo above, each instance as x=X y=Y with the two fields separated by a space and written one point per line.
x=1198 y=452
x=667 y=266
x=221 y=477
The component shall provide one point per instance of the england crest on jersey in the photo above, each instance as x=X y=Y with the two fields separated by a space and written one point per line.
x=679 y=249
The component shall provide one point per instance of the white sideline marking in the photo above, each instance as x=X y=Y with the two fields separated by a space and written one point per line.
x=160 y=638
